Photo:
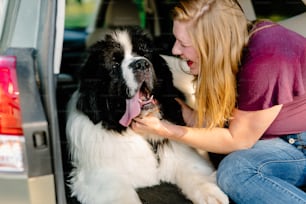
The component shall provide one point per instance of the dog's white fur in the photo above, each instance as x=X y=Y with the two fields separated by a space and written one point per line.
x=110 y=165
x=113 y=165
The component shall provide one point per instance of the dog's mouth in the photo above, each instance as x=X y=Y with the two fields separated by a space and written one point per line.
x=142 y=100
x=145 y=99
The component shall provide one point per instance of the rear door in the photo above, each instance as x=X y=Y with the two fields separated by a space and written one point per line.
x=30 y=51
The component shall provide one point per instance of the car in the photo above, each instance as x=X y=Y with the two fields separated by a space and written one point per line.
x=42 y=47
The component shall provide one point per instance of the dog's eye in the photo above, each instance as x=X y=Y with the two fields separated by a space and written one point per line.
x=115 y=65
x=147 y=55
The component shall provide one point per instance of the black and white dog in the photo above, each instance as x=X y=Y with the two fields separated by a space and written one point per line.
x=122 y=78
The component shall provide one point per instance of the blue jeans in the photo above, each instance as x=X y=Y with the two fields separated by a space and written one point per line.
x=270 y=172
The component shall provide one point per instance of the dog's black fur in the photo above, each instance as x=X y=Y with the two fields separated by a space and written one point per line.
x=102 y=90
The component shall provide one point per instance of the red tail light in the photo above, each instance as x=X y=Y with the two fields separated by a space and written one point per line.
x=10 y=116
x=11 y=134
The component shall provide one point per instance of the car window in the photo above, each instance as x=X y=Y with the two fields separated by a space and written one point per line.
x=278 y=10
x=89 y=18
x=80 y=13
x=289 y=13
x=8 y=15
x=3 y=6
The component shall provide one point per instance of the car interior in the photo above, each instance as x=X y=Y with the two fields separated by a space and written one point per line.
x=112 y=14
x=154 y=17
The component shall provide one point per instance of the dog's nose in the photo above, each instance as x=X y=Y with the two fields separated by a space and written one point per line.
x=141 y=64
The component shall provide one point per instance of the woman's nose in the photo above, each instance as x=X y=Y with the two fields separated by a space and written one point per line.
x=175 y=49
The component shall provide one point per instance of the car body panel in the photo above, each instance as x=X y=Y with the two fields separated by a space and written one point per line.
x=296 y=23
x=30 y=35
x=23 y=190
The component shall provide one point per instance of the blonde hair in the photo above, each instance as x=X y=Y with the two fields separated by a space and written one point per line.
x=219 y=32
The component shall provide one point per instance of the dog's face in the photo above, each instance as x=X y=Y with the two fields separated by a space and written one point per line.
x=120 y=78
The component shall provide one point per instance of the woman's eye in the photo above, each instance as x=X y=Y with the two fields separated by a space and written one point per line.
x=184 y=46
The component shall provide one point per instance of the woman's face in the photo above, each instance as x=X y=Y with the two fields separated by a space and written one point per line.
x=183 y=46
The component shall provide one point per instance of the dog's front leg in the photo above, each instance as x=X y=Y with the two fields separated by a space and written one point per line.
x=195 y=177
x=201 y=189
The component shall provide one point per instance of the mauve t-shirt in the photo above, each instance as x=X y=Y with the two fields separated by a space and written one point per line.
x=273 y=72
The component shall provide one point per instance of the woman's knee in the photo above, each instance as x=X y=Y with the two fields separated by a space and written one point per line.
x=243 y=164
x=233 y=169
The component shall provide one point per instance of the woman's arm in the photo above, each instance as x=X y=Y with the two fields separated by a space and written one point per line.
x=244 y=130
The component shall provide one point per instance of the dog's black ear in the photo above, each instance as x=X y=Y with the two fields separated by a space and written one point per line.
x=100 y=108
x=166 y=92
x=91 y=79
x=93 y=61
x=88 y=105
x=96 y=99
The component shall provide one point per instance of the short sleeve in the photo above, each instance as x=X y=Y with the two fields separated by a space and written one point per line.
x=268 y=80
x=273 y=72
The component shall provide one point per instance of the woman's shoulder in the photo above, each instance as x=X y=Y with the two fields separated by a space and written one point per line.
x=272 y=45
x=273 y=67
x=268 y=36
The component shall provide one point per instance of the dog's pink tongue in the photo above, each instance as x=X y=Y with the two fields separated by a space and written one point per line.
x=133 y=109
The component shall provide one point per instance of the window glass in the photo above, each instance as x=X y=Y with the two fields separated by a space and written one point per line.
x=80 y=13
x=3 y=6
x=8 y=16
x=278 y=10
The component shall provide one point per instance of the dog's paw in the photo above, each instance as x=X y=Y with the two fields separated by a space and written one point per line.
x=210 y=193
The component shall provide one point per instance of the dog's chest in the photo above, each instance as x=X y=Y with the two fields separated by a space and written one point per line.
x=157 y=146
x=135 y=158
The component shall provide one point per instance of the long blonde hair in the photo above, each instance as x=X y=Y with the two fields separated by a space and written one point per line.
x=219 y=32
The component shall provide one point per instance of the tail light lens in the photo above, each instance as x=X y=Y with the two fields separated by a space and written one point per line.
x=11 y=134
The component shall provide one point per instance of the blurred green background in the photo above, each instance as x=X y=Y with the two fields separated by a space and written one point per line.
x=79 y=13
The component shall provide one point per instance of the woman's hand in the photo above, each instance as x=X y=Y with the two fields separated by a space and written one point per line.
x=148 y=124
x=153 y=125
x=189 y=115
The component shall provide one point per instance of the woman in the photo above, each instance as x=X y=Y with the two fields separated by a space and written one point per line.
x=250 y=80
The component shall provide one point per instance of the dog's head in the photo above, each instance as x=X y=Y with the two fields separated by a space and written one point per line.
x=120 y=78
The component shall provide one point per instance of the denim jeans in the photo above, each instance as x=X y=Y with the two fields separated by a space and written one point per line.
x=270 y=172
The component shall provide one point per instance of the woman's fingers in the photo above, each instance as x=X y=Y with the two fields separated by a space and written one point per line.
x=181 y=102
